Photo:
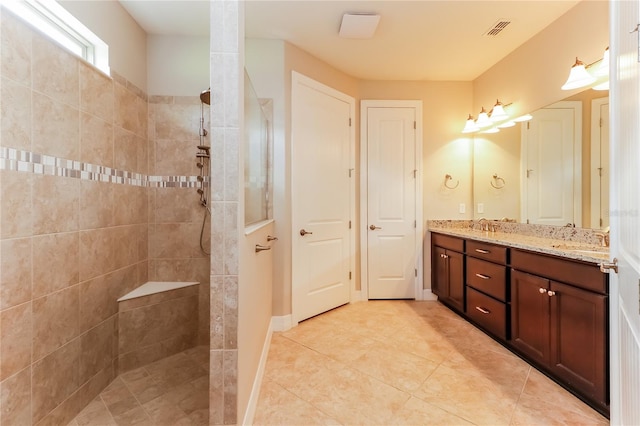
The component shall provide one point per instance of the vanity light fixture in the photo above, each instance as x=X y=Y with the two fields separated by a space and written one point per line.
x=470 y=125
x=603 y=67
x=602 y=86
x=522 y=118
x=578 y=77
x=506 y=124
x=498 y=113
x=483 y=119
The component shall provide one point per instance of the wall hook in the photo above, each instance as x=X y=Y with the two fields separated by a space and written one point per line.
x=447 y=178
x=497 y=180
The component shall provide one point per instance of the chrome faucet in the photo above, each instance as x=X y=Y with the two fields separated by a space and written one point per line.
x=484 y=225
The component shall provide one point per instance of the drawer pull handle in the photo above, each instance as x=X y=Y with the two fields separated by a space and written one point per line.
x=542 y=290
x=483 y=310
x=484 y=277
x=444 y=256
x=551 y=293
x=483 y=251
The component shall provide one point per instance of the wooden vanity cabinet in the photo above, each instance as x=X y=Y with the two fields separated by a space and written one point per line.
x=550 y=310
x=447 y=280
x=562 y=328
x=486 y=288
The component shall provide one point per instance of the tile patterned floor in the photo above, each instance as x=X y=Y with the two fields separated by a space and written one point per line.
x=172 y=391
x=405 y=363
x=369 y=363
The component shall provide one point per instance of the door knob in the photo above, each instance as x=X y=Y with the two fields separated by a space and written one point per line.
x=303 y=232
x=373 y=227
x=551 y=293
x=542 y=290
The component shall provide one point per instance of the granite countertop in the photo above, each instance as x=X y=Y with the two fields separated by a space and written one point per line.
x=585 y=251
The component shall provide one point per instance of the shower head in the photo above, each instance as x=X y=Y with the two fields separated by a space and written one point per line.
x=205 y=96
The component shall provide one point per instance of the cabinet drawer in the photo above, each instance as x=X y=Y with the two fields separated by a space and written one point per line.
x=487 y=277
x=586 y=276
x=487 y=312
x=487 y=251
x=448 y=242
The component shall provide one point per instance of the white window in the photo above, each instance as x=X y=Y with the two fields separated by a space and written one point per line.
x=60 y=25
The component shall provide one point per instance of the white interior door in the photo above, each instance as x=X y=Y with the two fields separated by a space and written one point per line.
x=625 y=219
x=552 y=148
x=391 y=200
x=600 y=170
x=322 y=197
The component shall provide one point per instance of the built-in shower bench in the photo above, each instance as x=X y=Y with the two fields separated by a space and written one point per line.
x=156 y=320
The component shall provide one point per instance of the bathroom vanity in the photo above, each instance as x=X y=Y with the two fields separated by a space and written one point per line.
x=543 y=298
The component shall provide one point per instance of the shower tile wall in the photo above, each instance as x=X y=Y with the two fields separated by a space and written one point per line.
x=176 y=215
x=227 y=77
x=75 y=227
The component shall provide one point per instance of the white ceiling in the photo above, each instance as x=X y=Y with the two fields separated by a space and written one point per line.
x=415 y=40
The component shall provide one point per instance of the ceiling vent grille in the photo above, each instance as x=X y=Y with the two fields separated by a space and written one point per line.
x=497 y=27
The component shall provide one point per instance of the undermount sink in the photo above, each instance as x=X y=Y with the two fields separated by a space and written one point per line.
x=582 y=249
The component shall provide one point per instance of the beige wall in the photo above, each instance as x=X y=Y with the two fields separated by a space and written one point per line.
x=177 y=65
x=445 y=149
x=126 y=39
x=531 y=76
x=265 y=61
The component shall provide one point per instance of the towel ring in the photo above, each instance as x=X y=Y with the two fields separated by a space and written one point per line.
x=447 y=178
x=497 y=179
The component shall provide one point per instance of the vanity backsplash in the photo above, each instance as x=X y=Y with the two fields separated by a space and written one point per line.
x=565 y=233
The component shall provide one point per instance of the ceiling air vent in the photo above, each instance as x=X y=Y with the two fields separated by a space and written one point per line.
x=497 y=27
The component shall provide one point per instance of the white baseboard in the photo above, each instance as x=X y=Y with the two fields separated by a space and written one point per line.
x=357 y=296
x=427 y=295
x=250 y=412
x=281 y=323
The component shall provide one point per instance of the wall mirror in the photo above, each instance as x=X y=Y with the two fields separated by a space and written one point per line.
x=552 y=170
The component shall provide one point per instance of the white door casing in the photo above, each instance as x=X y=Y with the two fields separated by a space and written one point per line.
x=600 y=166
x=322 y=152
x=624 y=287
x=391 y=199
x=552 y=162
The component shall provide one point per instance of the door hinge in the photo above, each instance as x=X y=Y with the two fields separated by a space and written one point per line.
x=349 y=274
x=415 y=173
x=528 y=127
x=601 y=122
x=415 y=223
x=415 y=272
x=349 y=121
x=349 y=224
x=414 y=125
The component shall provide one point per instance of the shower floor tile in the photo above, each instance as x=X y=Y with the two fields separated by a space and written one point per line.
x=171 y=391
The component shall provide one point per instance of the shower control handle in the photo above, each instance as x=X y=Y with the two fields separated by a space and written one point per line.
x=303 y=232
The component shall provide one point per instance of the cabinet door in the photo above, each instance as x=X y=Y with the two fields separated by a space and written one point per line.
x=456 y=279
x=530 y=315
x=439 y=276
x=578 y=339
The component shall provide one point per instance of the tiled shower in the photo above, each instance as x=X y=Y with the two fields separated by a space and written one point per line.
x=98 y=197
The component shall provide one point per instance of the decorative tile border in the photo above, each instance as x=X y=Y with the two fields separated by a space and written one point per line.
x=25 y=161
